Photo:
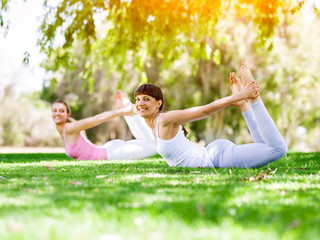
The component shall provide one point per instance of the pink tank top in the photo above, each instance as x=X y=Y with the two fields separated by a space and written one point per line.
x=83 y=149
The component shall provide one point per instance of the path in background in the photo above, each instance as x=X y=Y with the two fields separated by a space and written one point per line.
x=31 y=150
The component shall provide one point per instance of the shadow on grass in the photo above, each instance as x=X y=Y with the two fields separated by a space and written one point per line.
x=151 y=187
x=213 y=204
x=32 y=157
x=38 y=157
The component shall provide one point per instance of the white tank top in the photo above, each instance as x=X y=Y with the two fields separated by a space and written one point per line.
x=179 y=151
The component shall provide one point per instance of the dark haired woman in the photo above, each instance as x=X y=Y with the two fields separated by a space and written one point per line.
x=78 y=146
x=177 y=150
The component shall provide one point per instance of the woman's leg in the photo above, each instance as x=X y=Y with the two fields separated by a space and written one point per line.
x=269 y=145
x=267 y=129
x=250 y=155
x=252 y=125
x=133 y=149
x=141 y=147
x=137 y=125
x=266 y=126
x=245 y=106
x=139 y=128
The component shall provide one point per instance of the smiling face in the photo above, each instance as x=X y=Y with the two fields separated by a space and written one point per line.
x=147 y=105
x=149 y=100
x=59 y=113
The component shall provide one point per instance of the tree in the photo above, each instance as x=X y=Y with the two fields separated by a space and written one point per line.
x=187 y=48
x=158 y=31
x=145 y=40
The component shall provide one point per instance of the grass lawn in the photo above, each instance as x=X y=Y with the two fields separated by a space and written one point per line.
x=50 y=196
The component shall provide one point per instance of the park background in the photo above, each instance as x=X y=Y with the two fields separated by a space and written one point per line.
x=89 y=49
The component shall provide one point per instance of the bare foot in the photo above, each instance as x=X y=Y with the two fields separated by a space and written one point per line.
x=123 y=101
x=247 y=77
x=236 y=87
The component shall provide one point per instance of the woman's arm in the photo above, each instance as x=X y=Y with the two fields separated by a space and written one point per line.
x=90 y=122
x=179 y=117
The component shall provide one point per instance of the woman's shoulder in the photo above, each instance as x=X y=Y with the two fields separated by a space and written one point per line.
x=167 y=118
x=69 y=128
x=161 y=116
x=66 y=126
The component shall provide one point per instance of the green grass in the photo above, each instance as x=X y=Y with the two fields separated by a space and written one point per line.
x=49 y=196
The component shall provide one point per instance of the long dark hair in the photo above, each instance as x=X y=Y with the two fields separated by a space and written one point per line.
x=155 y=92
x=67 y=107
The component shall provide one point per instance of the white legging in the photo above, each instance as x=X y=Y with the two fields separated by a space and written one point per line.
x=268 y=145
x=141 y=147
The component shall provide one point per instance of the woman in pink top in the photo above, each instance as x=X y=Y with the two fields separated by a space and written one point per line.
x=78 y=146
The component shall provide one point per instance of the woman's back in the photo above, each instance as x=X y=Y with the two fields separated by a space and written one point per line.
x=83 y=149
x=179 y=151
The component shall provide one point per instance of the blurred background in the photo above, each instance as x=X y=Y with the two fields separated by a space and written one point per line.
x=84 y=50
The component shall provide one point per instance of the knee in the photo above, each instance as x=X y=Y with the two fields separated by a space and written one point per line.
x=281 y=150
x=216 y=150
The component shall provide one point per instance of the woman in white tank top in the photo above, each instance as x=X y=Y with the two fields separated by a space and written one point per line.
x=177 y=150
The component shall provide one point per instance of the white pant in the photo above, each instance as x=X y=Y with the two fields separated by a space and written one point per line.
x=268 y=145
x=141 y=147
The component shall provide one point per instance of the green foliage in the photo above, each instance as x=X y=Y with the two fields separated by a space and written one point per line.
x=85 y=96
x=3 y=8
x=168 y=43
x=26 y=57
x=188 y=48
x=50 y=196
x=1 y=21
x=4 y=5
x=164 y=29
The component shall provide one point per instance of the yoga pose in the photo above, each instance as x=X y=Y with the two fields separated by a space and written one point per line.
x=177 y=150
x=78 y=146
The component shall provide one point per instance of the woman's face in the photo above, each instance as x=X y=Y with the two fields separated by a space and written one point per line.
x=59 y=113
x=147 y=105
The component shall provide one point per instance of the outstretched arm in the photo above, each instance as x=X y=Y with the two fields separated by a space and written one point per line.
x=90 y=122
x=180 y=117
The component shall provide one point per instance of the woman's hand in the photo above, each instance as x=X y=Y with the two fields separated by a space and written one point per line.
x=129 y=110
x=250 y=90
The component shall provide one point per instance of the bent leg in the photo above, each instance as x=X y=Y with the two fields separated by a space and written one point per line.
x=133 y=149
x=236 y=86
x=225 y=154
x=139 y=128
x=252 y=125
x=250 y=155
x=137 y=125
x=267 y=128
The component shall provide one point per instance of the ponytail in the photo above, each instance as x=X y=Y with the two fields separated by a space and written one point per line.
x=185 y=132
